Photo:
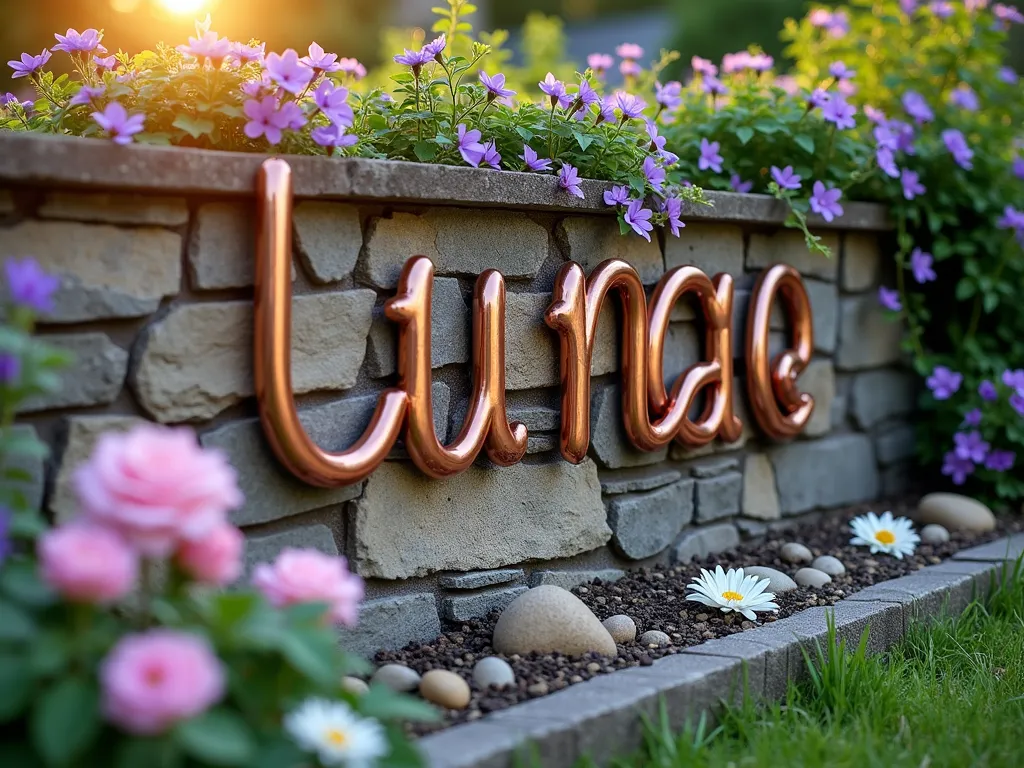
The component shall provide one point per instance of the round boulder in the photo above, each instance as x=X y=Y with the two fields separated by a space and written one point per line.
x=777 y=580
x=795 y=553
x=397 y=677
x=493 y=671
x=621 y=628
x=955 y=512
x=654 y=637
x=812 y=577
x=549 y=619
x=445 y=689
x=830 y=565
x=934 y=534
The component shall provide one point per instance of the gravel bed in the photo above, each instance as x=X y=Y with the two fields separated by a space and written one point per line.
x=655 y=598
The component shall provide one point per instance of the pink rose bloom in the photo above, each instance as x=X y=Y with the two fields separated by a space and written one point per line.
x=216 y=558
x=309 y=576
x=156 y=487
x=86 y=563
x=153 y=680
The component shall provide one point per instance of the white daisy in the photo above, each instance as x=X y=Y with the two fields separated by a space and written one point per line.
x=894 y=536
x=337 y=734
x=733 y=591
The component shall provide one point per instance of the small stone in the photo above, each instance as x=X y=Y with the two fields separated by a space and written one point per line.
x=655 y=638
x=397 y=677
x=354 y=685
x=538 y=689
x=830 y=565
x=812 y=577
x=593 y=667
x=493 y=671
x=445 y=688
x=934 y=534
x=747 y=625
x=795 y=553
x=702 y=617
x=955 y=512
x=777 y=580
x=621 y=628
x=549 y=619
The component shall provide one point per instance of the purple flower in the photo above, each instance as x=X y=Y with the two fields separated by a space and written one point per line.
x=1014 y=379
x=786 y=178
x=917 y=107
x=847 y=88
x=941 y=8
x=87 y=41
x=470 y=148
x=555 y=89
x=825 y=201
x=739 y=185
x=291 y=116
x=264 y=119
x=670 y=95
x=840 y=71
x=874 y=114
x=491 y=155
x=921 y=266
x=912 y=186
x=606 y=111
x=1018 y=167
x=352 y=67
x=957 y=146
x=736 y=62
x=586 y=95
x=819 y=97
x=629 y=51
x=116 y=121
x=108 y=62
x=837 y=110
x=973 y=417
x=887 y=162
x=630 y=68
x=957 y=468
x=904 y=135
x=535 y=163
x=87 y=95
x=703 y=66
x=943 y=382
x=245 y=53
x=839 y=24
x=618 y=195
x=630 y=105
x=496 y=86
x=414 y=59
x=10 y=368
x=600 y=62
x=569 y=180
x=435 y=47
x=209 y=46
x=1007 y=75
x=29 y=285
x=988 y=391
x=29 y=64
x=639 y=218
x=333 y=135
x=654 y=174
x=674 y=209
x=1000 y=461
x=1007 y=14
x=889 y=298
x=1017 y=402
x=974 y=5
x=820 y=17
x=709 y=157
x=964 y=97
x=333 y=102
x=909 y=6
x=320 y=61
x=288 y=72
x=713 y=86
x=1012 y=219
x=970 y=445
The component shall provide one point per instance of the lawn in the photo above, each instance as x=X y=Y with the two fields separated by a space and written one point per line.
x=950 y=694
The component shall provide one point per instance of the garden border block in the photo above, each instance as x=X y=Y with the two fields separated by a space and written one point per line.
x=602 y=717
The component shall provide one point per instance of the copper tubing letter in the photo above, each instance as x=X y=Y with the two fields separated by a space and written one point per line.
x=272 y=353
x=486 y=425
x=780 y=409
x=715 y=298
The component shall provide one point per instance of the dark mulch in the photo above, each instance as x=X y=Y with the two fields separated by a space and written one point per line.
x=655 y=598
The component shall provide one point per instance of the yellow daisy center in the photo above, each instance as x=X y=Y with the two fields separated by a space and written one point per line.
x=335 y=737
x=885 y=537
x=730 y=595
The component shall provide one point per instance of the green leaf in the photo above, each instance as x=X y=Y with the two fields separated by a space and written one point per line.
x=311 y=654
x=149 y=753
x=24 y=443
x=218 y=737
x=16 y=683
x=964 y=289
x=768 y=126
x=193 y=126
x=15 y=623
x=425 y=150
x=582 y=140
x=526 y=134
x=744 y=133
x=385 y=704
x=20 y=581
x=65 y=720
x=806 y=143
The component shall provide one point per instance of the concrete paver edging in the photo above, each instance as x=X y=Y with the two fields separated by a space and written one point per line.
x=602 y=717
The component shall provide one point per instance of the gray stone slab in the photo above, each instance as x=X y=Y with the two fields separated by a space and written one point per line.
x=824 y=299
x=704 y=541
x=1002 y=551
x=766 y=671
x=536 y=418
x=570 y=579
x=924 y=593
x=608 y=434
x=590 y=240
x=712 y=248
x=879 y=395
x=328 y=239
x=644 y=524
x=787 y=246
x=862 y=261
x=868 y=336
x=478 y=604
x=986 y=575
x=95 y=376
x=825 y=473
x=222 y=245
x=265 y=548
x=390 y=623
x=615 y=481
x=105 y=208
x=718 y=497
x=478 y=579
x=714 y=467
x=896 y=444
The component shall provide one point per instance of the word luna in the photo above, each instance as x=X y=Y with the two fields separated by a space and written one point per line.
x=654 y=416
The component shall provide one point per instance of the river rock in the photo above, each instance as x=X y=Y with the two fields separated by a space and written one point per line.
x=812 y=577
x=654 y=637
x=955 y=512
x=397 y=677
x=354 y=685
x=795 y=553
x=493 y=671
x=445 y=689
x=777 y=580
x=934 y=534
x=621 y=628
x=830 y=565
x=549 y=619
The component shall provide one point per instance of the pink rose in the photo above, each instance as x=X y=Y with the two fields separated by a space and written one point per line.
x=156 y=487
x=155 y=679
x=309 y=576
x=86 y=563
x=216 y=558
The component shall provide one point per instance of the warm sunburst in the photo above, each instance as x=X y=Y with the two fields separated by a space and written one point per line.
x=183 y=7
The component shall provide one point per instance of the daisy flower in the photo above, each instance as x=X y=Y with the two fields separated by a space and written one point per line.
x=336 y=734
x=733 y=591
x=893 y=536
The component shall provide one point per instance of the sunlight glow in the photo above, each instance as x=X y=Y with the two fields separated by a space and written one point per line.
x=183 y=6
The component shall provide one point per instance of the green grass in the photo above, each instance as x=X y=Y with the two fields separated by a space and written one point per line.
x=950 y=694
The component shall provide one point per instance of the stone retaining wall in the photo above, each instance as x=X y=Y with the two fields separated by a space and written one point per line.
x=156 y=304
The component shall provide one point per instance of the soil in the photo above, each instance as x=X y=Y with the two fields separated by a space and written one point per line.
x=655 y=598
